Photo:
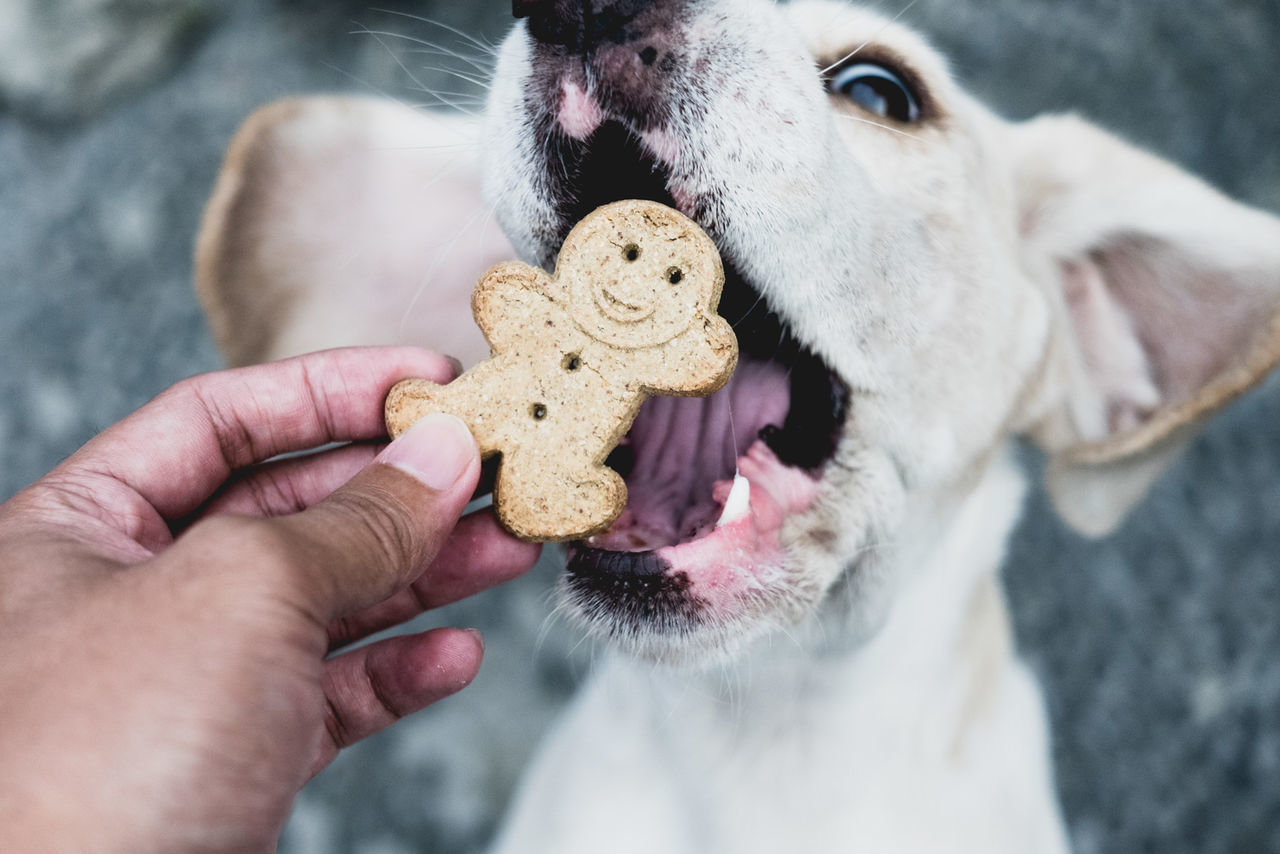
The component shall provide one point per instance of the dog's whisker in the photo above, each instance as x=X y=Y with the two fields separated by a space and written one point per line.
x=555 y=615
x=369 y=85
x=460 y=147
x=564 y=166
x=851 y=54
x=587 y=637
x=478 y=42
x=396 y=59
x=445 y=250
x=430 y=47
x=468 y=103
x=364 y=29
x=780 y=629
x=466 y=106
x=449 y=103
x=880 y=125
x=472 y=65
x=747 y=313
x=450 y=167
x=478 y=82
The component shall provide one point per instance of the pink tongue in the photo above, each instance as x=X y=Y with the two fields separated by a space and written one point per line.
x=682 y=446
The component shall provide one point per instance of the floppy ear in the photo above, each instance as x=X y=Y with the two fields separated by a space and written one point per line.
x=339 y=221
x=1167 y=296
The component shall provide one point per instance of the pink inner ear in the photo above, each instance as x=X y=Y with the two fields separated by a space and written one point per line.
x=1112 y=351
x=1155 y=328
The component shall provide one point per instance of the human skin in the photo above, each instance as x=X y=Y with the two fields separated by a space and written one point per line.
x=171 y=600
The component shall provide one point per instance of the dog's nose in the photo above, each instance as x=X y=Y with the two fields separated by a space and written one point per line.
x=578 y=24
x=528 y=8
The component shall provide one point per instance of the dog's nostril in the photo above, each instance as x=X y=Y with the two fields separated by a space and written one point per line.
x=648 y=55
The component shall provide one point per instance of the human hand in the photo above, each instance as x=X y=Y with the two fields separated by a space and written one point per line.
x=168 y=600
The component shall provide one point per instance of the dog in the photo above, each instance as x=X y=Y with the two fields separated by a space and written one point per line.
x=915 y=283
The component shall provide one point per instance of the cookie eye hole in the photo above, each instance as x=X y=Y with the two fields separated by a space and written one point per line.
x=572 y=362
x=631 y=252
x=538 y=411
x=675 y=275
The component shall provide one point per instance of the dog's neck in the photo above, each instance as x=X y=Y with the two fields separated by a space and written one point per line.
x=921 y=710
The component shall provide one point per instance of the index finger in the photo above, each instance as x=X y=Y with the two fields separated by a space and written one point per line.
x=179 y=448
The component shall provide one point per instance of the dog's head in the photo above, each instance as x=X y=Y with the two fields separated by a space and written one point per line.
x=912 y=280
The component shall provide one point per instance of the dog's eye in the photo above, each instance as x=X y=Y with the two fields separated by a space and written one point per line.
x=878 y=90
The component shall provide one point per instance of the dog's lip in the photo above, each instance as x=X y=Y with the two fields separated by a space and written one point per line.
x=727 y=563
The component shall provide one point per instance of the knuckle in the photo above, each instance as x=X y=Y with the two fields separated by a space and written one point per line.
x=335 y=724
x=229 y=425
x=382 y=525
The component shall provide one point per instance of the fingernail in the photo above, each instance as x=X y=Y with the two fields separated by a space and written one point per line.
x=456 y=364
x=437 y=450
x=478 y=636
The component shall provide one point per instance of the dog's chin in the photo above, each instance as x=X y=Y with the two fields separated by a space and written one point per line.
x=698 y=561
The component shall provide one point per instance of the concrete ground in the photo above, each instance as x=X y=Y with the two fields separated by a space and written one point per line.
x=1159 y=647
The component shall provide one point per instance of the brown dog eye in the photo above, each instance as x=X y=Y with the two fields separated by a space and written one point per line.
x=572 y=362
x=538 y=411
x=877 y=89
x=631 y=252
x=675 y=275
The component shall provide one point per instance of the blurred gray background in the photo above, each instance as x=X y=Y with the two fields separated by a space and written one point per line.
x=1159 y=648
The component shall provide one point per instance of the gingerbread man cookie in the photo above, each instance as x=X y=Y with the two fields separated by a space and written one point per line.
x=629 y=312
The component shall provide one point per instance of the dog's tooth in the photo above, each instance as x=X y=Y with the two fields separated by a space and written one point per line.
x=738 y=503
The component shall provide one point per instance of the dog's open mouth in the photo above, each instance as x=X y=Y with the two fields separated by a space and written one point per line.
x=710 y=480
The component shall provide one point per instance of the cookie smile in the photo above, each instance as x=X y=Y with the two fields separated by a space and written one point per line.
x=621 y=309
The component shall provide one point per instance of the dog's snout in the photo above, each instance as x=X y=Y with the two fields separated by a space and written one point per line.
x=581 y=24
x=606 y=58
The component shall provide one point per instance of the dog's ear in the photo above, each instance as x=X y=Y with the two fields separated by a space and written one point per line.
x=1167 y=296
x=338 y=221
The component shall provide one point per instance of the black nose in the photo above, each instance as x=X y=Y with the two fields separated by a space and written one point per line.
x=526 y=8
x=579 y=24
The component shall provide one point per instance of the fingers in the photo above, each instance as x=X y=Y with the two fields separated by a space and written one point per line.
x=478 y=555
x=373 y=536
x=179 y=448
x=290 y=485
x=370 y=688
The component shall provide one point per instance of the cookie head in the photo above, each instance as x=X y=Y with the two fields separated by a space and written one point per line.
x=638 y=274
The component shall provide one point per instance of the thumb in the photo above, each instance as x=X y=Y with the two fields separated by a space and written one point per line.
x=380 y=530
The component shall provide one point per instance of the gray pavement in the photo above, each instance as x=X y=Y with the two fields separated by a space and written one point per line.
x=1159 y=647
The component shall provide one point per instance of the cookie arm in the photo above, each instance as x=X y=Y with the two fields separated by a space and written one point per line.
x=508 y=299
x=700 y=360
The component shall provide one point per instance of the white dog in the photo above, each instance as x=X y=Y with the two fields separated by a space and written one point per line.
x=914 y=282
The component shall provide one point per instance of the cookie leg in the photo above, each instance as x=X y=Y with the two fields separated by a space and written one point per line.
x=538 y=502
